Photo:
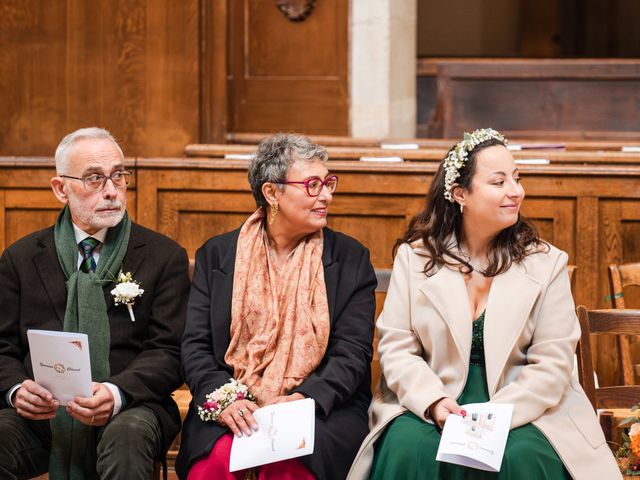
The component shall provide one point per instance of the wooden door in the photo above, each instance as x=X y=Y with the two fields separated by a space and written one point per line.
x=288 y=75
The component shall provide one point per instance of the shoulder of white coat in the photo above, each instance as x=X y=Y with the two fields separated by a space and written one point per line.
x=544 y=262
x=416 y=256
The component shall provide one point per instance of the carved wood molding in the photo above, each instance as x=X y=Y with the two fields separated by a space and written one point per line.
x=296 y=10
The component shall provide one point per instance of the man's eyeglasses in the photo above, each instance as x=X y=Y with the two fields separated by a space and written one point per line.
x=314 y=185
x=97 y=181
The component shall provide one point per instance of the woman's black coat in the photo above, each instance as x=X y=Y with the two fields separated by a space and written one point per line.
x=340 y=386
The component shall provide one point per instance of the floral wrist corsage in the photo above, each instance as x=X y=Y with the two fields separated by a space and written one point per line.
x=221 y=398
x=126 y=291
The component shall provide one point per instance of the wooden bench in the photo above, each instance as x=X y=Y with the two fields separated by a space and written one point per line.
x=613 y=145
x=430 y=155
x=529 y=98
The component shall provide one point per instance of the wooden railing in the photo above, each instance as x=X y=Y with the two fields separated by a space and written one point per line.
x=433 y=154
x=558 y=144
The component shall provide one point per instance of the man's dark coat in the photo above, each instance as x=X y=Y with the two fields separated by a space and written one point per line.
x=145 y=354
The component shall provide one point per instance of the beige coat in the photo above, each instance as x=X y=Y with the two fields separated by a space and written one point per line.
x=530 y=335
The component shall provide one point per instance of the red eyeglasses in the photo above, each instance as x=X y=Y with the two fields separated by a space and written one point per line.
x=314 y=185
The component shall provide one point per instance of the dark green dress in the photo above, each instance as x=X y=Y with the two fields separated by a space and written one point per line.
x=407 y=449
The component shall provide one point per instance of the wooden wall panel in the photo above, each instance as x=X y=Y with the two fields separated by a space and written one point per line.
x=23 y=221
x=129 y=66
x=27 y=203
x=595 y=218
x=289 y=75
x=376 y=220
x=193 y=217
x=196 y=227
x=554 y=219
x=544 y=105
x=619 y=242
x=378 y=232
x=27 y=211
x=34 y=31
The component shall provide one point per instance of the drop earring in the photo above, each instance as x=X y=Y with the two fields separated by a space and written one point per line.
x=461 y=208
x=274 y=213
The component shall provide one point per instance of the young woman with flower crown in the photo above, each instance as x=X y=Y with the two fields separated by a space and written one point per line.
x=479 y=309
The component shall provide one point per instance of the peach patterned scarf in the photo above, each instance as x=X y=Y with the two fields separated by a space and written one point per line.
x=279 y=314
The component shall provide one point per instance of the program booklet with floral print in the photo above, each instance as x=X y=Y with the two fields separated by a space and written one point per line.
x=478 y=439
x=285 y=430
x=61 y=363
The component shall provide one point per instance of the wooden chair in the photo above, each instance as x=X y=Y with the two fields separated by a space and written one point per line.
x=598 y=322
x=621 y=276
x=572 y=276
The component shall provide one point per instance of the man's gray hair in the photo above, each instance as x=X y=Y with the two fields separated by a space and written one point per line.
x=67 y=143
x=274 y=157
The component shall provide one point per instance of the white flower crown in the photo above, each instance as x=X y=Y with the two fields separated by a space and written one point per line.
x=458 y=155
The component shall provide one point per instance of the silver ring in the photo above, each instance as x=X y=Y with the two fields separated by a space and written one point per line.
x=241 y=412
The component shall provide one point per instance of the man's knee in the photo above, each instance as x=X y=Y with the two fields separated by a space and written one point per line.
x=132 y=440
x=25 y=445
x=18 y=433
x=135 y=424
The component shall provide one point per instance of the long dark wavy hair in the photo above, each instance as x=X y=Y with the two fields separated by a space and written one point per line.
x=441 y=220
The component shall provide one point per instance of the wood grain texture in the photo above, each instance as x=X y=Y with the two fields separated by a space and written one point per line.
x=214 y=57
x=623 y=393
x=558 y=144
x=295 y=79
x=433 y=153
x=625 y=279
x=534 y=98
x=131 y=67
x=576 y=207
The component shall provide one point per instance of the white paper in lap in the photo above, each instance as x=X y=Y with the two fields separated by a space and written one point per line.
x=479 y=439
x=61 y=364
x=285 y=430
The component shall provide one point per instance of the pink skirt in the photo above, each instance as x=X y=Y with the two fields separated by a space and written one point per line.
x=216 y=465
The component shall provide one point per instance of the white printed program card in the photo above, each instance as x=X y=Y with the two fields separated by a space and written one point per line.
x=61 y=363
x=477 y=440
x=285 y=430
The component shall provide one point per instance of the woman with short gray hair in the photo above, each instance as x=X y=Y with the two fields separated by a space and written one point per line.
x=284 y=307
x=274 y=158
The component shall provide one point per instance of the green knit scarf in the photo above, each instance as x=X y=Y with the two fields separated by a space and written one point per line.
x=73 y=448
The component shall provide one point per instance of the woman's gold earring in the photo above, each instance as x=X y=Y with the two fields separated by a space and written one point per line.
x=461 y=208
x=274 y=213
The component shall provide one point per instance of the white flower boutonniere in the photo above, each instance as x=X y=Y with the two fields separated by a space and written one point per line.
x=126 y=291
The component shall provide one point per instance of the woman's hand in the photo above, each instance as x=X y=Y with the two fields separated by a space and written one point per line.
x=238 y=417
x=440 y=410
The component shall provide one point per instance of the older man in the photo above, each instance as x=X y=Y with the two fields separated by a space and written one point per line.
x=61 y=278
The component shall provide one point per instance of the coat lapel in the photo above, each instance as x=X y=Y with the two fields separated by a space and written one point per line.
x=447 y=292
x=511 y=299
x=331 y=271
x=222 y=285
x=132 y=261
x=51 y=275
